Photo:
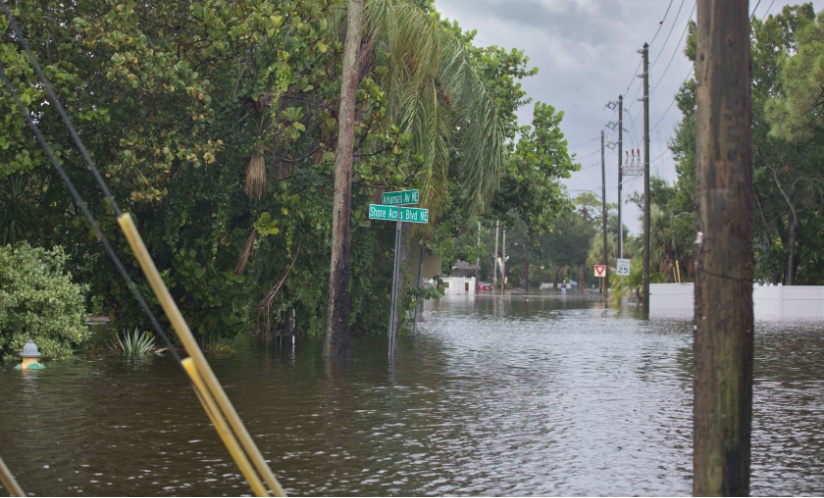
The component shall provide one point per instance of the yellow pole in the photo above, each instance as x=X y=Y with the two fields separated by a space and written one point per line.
x=190 y=344
x=8 y=481
x=224 y=431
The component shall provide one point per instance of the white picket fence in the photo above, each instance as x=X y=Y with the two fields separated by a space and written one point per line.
x=804 y=302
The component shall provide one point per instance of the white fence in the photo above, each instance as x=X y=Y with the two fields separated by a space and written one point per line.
x=769 y=302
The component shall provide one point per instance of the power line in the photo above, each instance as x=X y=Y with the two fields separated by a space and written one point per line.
x=677 y=47
x=672 y=101
x=583 y=143
x=755 y=8
x=674 y=21
x=661 y=23
x=767 y=12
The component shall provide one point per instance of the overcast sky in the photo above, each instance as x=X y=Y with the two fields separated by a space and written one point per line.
x=587 y=52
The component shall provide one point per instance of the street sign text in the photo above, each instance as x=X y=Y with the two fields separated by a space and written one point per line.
x=400 y=198
x=391 y=213
x=622 y=267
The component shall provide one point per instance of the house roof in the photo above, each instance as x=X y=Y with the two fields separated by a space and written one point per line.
x=463 y=265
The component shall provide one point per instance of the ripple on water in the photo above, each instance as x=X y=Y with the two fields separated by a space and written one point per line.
x=493 y=397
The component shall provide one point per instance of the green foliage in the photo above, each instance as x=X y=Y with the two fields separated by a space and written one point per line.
x=39 y=301
x=531 y=187
x=136 y=344
x=173 y=98
x=624 y=287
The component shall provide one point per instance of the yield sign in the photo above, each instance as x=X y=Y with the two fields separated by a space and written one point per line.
x=600 y=271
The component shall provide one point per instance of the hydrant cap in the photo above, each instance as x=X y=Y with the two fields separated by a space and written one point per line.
x=30 y=350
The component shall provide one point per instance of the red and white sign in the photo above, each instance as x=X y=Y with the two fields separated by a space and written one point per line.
x=600 y=271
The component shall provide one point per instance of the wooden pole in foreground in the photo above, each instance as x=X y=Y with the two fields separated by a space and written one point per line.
x=723 y=348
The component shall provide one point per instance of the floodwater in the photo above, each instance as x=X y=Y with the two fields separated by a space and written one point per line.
x=494 y=396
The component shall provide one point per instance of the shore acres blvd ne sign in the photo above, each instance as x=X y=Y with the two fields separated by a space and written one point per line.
x=391 y=213
x=400 y=198
x=414 y=215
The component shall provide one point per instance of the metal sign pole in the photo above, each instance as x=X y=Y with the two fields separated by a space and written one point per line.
x=395 y=268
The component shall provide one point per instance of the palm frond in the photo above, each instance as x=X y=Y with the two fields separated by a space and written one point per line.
x=482 y=137
x=255 y=177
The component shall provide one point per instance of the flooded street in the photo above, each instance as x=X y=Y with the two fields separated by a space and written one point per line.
x=494 y=396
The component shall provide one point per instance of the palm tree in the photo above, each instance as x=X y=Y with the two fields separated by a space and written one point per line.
x=432 y=87
x=336 y=340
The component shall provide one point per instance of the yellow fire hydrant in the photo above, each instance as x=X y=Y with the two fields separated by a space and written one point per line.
x=29 y=357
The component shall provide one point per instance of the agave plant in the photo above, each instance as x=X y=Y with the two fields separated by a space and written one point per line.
x=136 y=344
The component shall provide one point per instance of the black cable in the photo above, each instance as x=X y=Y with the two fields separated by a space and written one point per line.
x=669 y=34
x=677 y=47
x=75 y=138
x=756 y=7
x=661 y=24
x=75 y=194
x=767 y=12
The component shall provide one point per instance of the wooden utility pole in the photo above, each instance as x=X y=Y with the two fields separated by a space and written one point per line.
x=723 y=348
x=620 y=173
x=646 y=180
x=605 y=260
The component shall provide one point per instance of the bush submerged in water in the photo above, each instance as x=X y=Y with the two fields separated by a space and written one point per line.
x=39 y=301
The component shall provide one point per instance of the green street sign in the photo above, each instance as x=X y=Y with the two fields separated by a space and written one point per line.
x=400 y=198
x=414 y=215
x=379 y=212
x=391 y=213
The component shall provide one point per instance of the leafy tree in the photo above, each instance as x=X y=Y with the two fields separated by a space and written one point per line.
x=796 y=113
x=566 y=246
x=531 y=189
x=786 y=181
x=39 y=301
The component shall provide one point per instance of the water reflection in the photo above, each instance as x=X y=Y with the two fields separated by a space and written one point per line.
x=494 y=396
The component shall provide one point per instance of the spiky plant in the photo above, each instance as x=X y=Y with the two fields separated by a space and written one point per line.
x=136 y=344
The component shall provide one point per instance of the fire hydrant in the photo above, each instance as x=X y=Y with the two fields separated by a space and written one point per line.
x=29 y=357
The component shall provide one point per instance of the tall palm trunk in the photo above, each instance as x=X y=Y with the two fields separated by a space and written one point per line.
x=336 y=339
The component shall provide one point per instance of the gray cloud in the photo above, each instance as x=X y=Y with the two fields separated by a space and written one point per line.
x=586 y=52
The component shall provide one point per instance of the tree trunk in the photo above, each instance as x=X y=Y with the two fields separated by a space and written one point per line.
x=336 y=340
x=789 y=277
x=723 y=348
x=794 y=226
x=557 y=277
x=526 y=269
x=581 y=270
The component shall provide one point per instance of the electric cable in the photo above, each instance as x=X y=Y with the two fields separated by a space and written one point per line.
x=69 y=184
x=209 y=391
x=755 y=8
x=767 y=11
x=677 y=47
x=674 y=21
x=661 y=23
x=85 y=210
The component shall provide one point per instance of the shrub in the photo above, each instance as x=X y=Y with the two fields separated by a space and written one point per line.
x=39 y=301
x=136 y=344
